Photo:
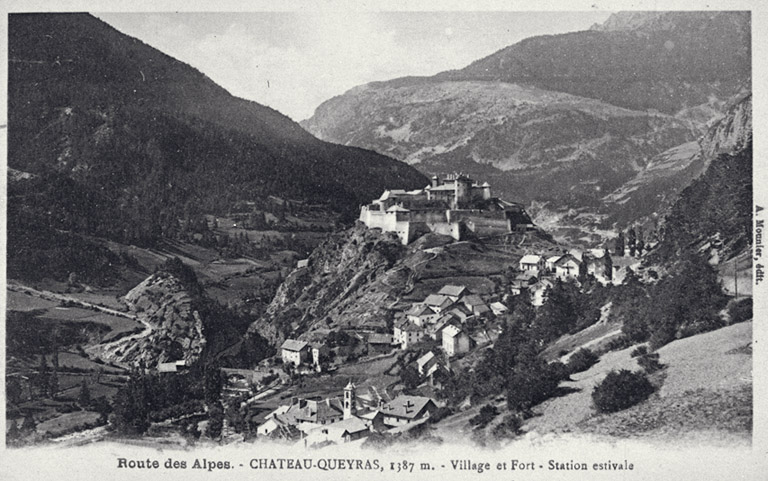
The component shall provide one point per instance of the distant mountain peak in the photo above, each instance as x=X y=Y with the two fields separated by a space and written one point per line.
x=655 y=21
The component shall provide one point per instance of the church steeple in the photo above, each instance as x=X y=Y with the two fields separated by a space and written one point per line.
x=350 y=409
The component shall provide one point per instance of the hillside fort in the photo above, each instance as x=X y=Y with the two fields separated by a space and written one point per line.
x=456 y=206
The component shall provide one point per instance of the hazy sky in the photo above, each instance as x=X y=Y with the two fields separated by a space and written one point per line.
x=294 y=61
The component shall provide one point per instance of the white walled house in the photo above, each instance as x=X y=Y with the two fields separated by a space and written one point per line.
x=532 y=262
x=567 y=268
x=295 y=352
x=455 y=341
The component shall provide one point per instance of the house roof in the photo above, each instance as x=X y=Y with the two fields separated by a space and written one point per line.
x=293 y=345
x=407 y=407
x=410 y=327
x=499 y=307
x=421 y=310
x=449 y=187
x=166 y=367
x=438 y=300
x=530 y=259
x=397 y=208
x=337 y=431
x=567 y=258
x=315 y=411
x=472 y=300
x=451 y=331
x=391 y=193
x=525 y=276
x=450 y=290
x=553 y=259
x=481 y=309
x=425 y=358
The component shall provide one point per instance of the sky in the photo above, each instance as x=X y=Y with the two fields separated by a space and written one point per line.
x=293 y=61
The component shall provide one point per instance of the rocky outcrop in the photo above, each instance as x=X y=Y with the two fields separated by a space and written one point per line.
x=175 y=327
x=348 y=282
x=362 y=278
x=733 y=132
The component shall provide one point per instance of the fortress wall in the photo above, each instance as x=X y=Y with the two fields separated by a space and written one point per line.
x=403 y=230
x=380 y=220
x=445 y=228
x=428 y=216
x=484 y=226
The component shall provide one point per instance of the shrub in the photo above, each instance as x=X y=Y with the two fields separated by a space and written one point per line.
x=440 y=414
x=650 y=362
x=485 y=416
x=620 y=390
x=511 y=426
x=618 y=343
x=740 y=311
x=639 y=351
x=582 y=360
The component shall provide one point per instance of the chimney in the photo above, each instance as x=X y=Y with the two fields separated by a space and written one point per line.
x=435 y=181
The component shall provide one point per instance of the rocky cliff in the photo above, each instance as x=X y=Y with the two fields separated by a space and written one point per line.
x=175 y=329
x=359 y=278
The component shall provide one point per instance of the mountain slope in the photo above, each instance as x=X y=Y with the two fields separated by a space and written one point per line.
x=561 y=122
x=661 y=60
x=149 y=136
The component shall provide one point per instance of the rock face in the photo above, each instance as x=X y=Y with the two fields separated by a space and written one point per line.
x=176 y=328
x=733 y=132
x=330 y=292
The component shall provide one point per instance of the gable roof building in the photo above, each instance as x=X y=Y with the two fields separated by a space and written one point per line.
x=438 y=302
x=453 y=292
x=407 y=409
x=531 y=262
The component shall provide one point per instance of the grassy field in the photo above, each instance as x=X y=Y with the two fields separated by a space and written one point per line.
x=706 y=389
x=117 y=324
x=67 y=422
x=17 y=301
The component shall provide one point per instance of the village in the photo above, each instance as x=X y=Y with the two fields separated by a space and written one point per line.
x=428 y=337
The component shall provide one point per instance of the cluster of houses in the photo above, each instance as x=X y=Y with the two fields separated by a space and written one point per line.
x=539 y=271
x=443 y=317
x=351 y=417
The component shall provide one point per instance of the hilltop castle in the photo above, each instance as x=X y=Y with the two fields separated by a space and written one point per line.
x=456 y=206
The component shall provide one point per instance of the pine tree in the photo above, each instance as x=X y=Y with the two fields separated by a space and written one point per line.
x=84 y=398
x=631 y=241
x=42 y=377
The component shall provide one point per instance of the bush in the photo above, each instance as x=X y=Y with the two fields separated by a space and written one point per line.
x=639 y=351
x=440 y=414
x=618 y=343
x=650 y=362
x=620 y=390
x=740 y=311
x=511 y=426
x=582 y=360
x=485 y=416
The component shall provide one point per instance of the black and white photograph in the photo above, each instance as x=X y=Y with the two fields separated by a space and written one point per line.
x=337 y=240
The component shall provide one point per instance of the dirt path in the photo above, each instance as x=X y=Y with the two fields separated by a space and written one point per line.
x=54 y=296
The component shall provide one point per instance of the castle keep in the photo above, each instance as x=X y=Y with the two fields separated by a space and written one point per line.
x=456 y=206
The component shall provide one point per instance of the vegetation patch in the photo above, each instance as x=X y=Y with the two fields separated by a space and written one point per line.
x=620 y=390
